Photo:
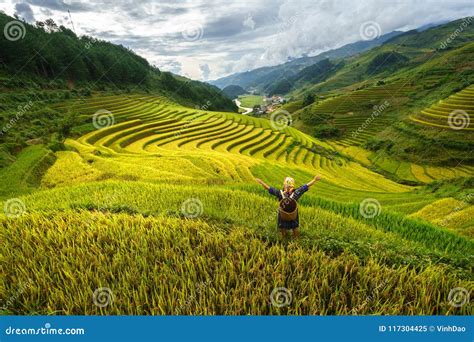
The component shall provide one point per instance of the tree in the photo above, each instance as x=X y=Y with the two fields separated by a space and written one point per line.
x=308 y=99
x=50 y=25
x=256 y=109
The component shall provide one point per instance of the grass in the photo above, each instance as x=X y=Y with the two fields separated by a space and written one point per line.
x=26 y=173
x=454 y=111
x=198 y=268
x=111 y=212
x=249 y=101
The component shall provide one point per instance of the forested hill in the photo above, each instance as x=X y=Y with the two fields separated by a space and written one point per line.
x=48 y=55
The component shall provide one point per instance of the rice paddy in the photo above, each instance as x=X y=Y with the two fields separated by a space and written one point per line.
x=359 y=121
x=159 y=206
x=451 y=113
x=352 y=109
x=182 y=267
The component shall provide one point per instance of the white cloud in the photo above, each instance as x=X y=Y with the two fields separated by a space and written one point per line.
x=205 y=71
x=249 y=22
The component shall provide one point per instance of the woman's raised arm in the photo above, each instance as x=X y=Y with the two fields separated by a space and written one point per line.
x=314 y=180
x=262 y=183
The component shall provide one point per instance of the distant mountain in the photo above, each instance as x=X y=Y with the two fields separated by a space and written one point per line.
x=430 y=25
x=406 y=76
x=399 y=57
x=435 y=37
x=315 y=73
x=260 y=78
x=233 y=91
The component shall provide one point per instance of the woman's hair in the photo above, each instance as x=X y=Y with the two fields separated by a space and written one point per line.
x=289 y=182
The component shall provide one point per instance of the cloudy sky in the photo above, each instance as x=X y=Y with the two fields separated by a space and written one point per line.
x=209 y=39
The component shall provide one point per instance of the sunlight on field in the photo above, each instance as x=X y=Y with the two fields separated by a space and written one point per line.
x=177 y=181
x=251 y=100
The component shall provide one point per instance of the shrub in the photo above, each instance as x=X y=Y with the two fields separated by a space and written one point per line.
x=327 y=131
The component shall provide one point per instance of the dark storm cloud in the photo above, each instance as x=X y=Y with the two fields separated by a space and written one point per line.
x=152 y=12
x=227 y=26
x=24 y=11
x=60 y=5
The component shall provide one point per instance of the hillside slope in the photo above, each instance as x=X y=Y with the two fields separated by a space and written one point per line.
x=44 y=64
x=390 y=107
x=140 y=193
x=159 y=205
x=233 y=91
x=261 y=78
x=51 y=57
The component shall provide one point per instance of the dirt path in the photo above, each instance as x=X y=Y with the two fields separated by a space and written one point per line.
x=247 y=110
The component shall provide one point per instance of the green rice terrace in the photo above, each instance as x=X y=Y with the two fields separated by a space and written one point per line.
x=364 y=114
x=157 y=203
x=451 y=113
x=127 y=189
x=350 y=110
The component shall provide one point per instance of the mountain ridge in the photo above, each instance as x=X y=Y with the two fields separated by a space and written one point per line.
x=267 y=74
x=260 y=78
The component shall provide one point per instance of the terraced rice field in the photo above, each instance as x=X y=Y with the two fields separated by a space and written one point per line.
x=352 y=110
x=418 y=173
x=453 y=113
x=161 y=199
x=405 y=171
x=449 y=212
x=155 y=140
x=227 y=144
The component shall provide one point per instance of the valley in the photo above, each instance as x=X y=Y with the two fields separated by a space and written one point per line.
x=144 y=182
